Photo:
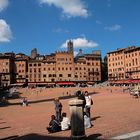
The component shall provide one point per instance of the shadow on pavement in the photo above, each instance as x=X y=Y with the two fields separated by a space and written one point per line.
x=45 y=100
x=95 y=118
x=35 y=136
x=10 y=138
x=5 y=127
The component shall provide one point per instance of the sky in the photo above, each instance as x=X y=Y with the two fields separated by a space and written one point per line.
x=47 y=25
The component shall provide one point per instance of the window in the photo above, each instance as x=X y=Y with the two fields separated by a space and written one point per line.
x=69 y=75
x=39 y=75
x=7 y=63
x=44 y=75
x=60 y=75
x=136 y=61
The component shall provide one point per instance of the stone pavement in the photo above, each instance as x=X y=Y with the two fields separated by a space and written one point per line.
x=113 y=113
x=129 y=136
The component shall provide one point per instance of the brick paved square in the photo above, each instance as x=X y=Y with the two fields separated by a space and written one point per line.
x=113 y=113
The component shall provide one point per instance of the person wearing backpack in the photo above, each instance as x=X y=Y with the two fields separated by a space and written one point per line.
x=89 y=102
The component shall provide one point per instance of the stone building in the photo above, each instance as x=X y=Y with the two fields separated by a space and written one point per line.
x=7 y=69
x=60 y=66
x=21 y=68
x=124 y=65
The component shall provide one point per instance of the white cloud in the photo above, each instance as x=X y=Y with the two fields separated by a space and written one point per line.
x=81 y=43
x=115 y=27
x=5 y=32
x=71 y=8
x=75 y=53
x=3 y=4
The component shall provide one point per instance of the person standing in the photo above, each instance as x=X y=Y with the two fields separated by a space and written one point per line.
x=58 y=109
x=89 y=102
x=81 y=96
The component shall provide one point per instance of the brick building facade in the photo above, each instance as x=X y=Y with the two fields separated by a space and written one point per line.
x=56 y=67
x=124 y=64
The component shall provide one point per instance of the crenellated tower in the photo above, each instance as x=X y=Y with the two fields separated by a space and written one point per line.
x=70 y=46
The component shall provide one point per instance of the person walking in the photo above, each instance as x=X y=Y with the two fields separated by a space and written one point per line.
x=58 y=109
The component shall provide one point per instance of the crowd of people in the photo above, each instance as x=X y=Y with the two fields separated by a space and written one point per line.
x=60 y=121
x=134 y=91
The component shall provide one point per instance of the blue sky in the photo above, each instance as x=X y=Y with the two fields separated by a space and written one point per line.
x=48 y=24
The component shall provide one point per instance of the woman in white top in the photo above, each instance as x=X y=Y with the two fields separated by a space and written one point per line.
x=88 y=103
x=65 y=123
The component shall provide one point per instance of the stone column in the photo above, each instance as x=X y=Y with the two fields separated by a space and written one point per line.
x=77 y=120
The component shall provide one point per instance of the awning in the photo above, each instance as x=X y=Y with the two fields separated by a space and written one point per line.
x=17 y=84
x=65 y=83
x=42 y=83
x=126 y=81
x=134 y=81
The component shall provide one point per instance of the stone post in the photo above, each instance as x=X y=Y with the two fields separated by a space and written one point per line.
x=77 y=120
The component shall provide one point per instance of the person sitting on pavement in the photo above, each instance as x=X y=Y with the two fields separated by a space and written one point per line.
x=65 y=123
x=24 y=102
x=53 y=125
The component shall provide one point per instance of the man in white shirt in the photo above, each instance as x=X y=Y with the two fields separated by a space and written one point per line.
x=88 y=103
x=65 y=123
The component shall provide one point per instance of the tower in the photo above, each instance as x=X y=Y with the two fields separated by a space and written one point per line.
x=34 y=53
x=70 y=46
